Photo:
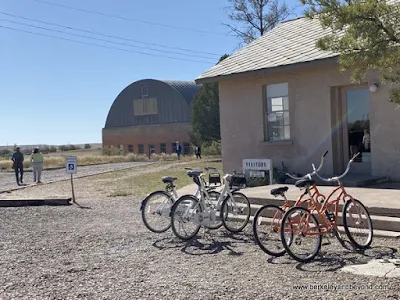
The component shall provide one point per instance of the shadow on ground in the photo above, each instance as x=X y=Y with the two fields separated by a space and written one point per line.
x=330 y=262
x=207 y=243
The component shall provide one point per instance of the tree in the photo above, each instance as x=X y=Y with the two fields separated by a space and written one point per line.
x=205 y=114
x=365 y=34
x=255 y=17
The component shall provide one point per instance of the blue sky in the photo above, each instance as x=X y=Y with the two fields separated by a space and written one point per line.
x=54 y=91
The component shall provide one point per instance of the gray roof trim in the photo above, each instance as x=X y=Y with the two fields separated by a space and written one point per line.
x=286 y=68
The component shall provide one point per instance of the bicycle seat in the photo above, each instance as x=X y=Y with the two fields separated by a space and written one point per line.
x=304 y=183
x=167 y=179
x=279 y=191
x=194 y=173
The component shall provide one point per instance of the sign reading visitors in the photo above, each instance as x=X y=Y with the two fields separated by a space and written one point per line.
x=71 y=164
x=257 y=164
x=257 y=167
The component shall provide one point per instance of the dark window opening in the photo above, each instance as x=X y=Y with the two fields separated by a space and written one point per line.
x=141 y=149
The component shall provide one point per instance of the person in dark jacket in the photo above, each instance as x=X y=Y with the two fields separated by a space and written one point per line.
x=18 y=165
x=197 y=151
x=178 y=150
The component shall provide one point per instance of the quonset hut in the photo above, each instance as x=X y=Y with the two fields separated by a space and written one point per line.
x=149 y=116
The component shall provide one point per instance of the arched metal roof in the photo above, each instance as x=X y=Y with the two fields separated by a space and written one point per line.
x=188 y=89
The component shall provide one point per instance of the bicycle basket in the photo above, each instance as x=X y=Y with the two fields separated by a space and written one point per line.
x=214 y=178
x=238 y=181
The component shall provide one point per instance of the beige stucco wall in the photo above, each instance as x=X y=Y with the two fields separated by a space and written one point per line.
x=242 y=129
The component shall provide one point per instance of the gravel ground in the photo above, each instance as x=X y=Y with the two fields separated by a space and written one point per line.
x=7 y=179
x=105 y=252
x=100 y=249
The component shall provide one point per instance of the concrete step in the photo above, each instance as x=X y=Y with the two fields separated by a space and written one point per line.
x=349 y=181
x=378 y=222
x=377 y=232
x=373 y=210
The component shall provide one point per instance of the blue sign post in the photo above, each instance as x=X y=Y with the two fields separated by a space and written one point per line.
x=70 y=168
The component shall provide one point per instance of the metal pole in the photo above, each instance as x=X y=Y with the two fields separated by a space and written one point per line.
x=73 y=192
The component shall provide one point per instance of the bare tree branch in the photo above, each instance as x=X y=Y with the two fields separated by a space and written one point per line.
x=254 y=18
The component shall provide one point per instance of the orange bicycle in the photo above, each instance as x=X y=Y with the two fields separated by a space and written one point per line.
x=301 y=222
x=267 y=219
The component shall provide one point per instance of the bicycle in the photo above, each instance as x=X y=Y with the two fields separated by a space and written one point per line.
x=189 y=210
x=162 y=202
x=299 y=218
x=271 y=215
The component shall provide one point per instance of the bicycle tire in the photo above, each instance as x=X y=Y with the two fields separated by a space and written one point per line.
x=287 y=246
x=257 y=236
x=143 y=211
x=173 y=216
x=346 y=227
x=224 y=220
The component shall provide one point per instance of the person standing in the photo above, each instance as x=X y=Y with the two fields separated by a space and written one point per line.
x=18 y=164
x=37 y=159
x=178 y=150
x=197 y=151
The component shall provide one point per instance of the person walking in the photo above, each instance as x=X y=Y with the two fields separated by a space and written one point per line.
x=18 y=165
x=37 y=160
x=178 y=150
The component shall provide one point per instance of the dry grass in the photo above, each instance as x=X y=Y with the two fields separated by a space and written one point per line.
x=144 y=180
x=79 y=153
x=58 y=161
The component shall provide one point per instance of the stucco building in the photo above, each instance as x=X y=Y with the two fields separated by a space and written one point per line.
x=284 y=99
x=149 y=116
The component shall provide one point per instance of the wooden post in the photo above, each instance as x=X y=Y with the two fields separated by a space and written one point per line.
x=73 y=192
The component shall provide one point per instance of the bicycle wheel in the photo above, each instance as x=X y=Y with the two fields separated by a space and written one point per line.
x=235 y=212
x=183 y=214
x=266 y=229
x=155 y=211
x=212 y=205
x=298 y=220
x=352 y=219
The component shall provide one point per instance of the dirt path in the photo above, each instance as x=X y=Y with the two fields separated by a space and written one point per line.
x=8 y=181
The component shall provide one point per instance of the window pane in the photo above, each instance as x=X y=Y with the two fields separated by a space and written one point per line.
x=286 y=120
x=285 y=103
x=275 y=132
x=287 y=132
x=278 y=119
x=275 y=104
x=277 y=90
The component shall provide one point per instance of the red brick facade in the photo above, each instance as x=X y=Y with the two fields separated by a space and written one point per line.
x=155 y=135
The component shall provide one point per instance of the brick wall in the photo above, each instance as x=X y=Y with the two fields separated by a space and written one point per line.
x=147 y=135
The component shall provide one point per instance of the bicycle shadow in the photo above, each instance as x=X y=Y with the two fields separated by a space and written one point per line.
x=206 y=243
x=327 y=261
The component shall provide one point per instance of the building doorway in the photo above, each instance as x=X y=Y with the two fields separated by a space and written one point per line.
x=356 y=129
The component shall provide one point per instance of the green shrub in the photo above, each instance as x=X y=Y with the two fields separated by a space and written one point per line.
x=258 y=181
x=211 y=148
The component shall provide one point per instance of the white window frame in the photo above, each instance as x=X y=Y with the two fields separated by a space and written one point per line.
x=145 y=91
x=277 y=112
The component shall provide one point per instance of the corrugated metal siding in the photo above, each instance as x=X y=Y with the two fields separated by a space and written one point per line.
x=173 y=103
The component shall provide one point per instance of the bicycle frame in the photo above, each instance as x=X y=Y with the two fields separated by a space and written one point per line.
x=323 y=209
x=204 y=194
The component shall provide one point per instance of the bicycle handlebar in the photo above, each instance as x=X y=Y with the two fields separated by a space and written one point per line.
x=336 y=178
x=308 y=176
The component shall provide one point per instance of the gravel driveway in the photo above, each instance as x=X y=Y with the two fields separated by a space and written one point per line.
x=105 y=252
x=7 y=179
